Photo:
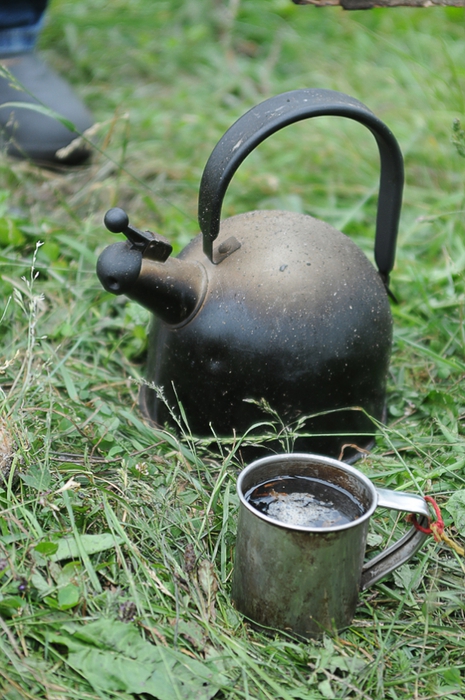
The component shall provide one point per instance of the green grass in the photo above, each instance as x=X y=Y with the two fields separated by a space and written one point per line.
x=117 y=540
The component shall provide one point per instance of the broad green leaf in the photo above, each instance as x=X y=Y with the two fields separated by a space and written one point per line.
x=113 y=657
x=10 y=233
x=10 y=604
x=456 y=507
x=345 y=663
x=46 y=548
x=41 y=584
x=70 y=388
x=37 y=478
x=193 y=632
x=68 y=596
x=407 y=578
x=325 y=689
x=452 y=676
x=69 y=572
x=373 y=539
x=68 y=548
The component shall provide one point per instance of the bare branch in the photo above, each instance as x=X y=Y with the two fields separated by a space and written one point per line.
x=369 y=4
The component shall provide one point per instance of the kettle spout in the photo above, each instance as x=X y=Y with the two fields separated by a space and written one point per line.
x=172 y=289
x=118 y=268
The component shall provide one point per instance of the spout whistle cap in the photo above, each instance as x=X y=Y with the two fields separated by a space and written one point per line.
x=118 y=267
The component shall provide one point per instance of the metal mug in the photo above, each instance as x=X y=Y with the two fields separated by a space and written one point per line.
x=306 y=580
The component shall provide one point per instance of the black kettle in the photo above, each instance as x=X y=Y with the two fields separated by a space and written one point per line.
x=268 y=308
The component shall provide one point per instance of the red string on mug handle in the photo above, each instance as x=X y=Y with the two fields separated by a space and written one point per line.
x=436 y=528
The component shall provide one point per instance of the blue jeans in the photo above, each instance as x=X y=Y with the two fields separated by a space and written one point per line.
x=20 y=25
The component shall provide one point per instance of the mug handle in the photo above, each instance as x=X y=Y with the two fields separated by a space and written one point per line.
x=402 y=550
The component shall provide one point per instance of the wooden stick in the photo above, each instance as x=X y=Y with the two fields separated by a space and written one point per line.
x=369 y=4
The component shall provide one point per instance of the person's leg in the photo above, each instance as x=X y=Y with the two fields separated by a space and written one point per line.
x=20 y=25
x=25 y=132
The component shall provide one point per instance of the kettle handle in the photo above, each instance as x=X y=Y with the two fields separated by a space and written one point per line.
x=280 y=111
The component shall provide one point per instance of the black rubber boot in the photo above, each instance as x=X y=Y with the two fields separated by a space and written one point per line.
x=26 y=133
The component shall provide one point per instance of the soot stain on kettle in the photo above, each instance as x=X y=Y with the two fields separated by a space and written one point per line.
x=276 y=328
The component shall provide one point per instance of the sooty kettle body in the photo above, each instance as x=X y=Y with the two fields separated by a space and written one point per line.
x=267 y=308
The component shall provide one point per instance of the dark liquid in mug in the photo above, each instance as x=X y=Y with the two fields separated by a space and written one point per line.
x=304 y=502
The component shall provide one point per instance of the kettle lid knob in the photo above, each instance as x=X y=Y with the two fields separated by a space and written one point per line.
x=116 y=220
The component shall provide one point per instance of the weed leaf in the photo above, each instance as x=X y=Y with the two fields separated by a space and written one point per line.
x=47 y=549
x=68 y=596
x=92 y=544
x=113 y=657
x=456 y=507
x=37 y=478
x=325 y=689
